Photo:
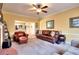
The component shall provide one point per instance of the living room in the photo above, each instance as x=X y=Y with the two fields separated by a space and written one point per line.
x=62 y=18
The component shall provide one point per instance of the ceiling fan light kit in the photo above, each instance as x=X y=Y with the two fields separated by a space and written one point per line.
x=38 y=10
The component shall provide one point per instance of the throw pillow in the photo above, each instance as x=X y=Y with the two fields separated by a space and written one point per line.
x=40 y=31
x=22 y=38
x=52 y=33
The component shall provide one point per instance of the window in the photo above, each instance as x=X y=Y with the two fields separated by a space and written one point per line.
x=74 y=22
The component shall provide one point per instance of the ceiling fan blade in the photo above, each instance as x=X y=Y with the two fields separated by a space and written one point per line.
x=44 y=11
x=39 y=5
x=1 y=4
x=34 y=5
x=44 y=7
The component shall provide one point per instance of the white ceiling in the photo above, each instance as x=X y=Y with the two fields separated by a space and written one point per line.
x=23 y=9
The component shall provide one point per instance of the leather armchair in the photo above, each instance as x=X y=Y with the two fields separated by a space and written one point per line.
x=20 y=37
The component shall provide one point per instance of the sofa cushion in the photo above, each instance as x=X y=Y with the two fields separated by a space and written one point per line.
x=22 y=38
x=47 y=37
x=46 y=32
x=20 y=34
x=52 y=34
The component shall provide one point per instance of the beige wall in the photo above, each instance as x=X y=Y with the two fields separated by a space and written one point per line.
x=61 y=23
x=11 y=17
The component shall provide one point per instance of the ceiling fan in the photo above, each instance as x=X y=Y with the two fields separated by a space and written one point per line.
x=39 y=8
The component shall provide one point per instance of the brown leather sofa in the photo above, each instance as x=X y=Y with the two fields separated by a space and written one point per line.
x=46 y=35
x=20 y=37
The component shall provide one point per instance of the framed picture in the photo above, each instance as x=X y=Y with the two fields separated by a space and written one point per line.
x=74 y=22
x=50 y=24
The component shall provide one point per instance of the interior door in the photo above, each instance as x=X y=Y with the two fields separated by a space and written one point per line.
x=30 y=28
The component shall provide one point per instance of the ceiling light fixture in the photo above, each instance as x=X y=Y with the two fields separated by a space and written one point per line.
x=38 y=10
